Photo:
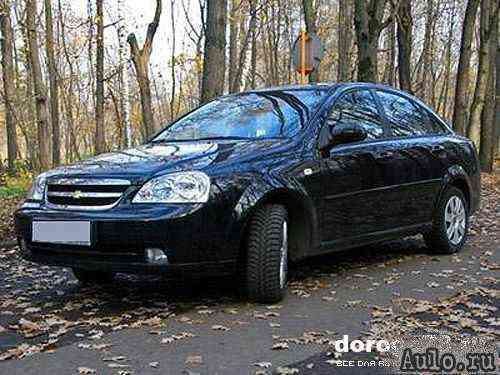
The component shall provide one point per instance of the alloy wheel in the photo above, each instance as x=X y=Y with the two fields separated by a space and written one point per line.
x=284 y=255
x=455 y=220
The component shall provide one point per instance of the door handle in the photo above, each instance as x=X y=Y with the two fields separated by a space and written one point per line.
x=386 y=154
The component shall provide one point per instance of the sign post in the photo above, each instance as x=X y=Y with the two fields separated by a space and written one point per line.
x=306 y=54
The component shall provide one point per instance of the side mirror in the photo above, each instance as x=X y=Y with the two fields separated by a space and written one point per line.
x=341 y=134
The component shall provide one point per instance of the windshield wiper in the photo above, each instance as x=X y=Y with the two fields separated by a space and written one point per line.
x=231 y=138
x=166 y=140
x=222 y=138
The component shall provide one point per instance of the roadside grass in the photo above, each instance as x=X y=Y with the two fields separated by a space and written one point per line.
x=15 y=186
x=12 y=192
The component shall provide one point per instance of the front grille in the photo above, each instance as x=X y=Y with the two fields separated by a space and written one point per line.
x=80 y=193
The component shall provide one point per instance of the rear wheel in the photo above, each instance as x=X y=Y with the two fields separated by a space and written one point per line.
x=267 y=254
x=450 y=223
x=92 y=277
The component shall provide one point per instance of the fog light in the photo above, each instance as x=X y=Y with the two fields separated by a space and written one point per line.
x=156 y=256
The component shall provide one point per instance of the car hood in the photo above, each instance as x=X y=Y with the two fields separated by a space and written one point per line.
x=146 y=160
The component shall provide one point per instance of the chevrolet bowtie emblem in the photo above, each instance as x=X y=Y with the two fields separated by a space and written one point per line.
x=77 y=194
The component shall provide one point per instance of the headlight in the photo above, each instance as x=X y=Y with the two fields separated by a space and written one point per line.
x=182 y=187
x=37 y=191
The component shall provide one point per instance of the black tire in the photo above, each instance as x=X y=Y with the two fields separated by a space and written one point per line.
x=263 y=255
x=437 y=239
x=87 y=277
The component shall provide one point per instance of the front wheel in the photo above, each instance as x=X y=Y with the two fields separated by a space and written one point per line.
x=267 y=254
x=92 y=277
x=450 y=223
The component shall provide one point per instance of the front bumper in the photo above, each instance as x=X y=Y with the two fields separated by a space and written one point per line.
x=197 y=239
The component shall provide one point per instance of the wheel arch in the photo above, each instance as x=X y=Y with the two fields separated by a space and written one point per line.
x=457 y=177
x=302 y=219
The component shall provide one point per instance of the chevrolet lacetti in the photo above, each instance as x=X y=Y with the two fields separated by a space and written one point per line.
x=250 y=182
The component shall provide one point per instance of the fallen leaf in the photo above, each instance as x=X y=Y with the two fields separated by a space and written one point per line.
x=86 y=370
x=194 y=360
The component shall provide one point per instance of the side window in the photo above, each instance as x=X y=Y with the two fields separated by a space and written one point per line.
x=358 y=108
x=405 y=118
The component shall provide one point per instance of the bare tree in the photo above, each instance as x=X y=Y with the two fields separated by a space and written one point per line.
x=253 y=56
x=214 y=65
x=310 y=11
x=405 y=26
x=462 y=85
x=42 y=114
x=344 y=39
x=100 y=142
x=234 y=17
x=173 y=113
x=488 y=15
x=53 y=84
x=123 y=80
x=368 y=24
x=488 y=117
x=8 y=82
x=428 y=49
x=497 y=99
x=245 y=40
x=390 y=47
x=141 y=57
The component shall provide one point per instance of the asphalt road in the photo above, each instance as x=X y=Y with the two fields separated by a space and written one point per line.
x=49 y=324
x=149 y=326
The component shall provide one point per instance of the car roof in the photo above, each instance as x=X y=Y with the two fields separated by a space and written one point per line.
x=326 y=86
x=311 y=86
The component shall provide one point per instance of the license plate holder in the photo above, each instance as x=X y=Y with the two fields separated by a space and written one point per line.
x=62 y=232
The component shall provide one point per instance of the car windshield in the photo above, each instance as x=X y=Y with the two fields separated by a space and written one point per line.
x=256 y=115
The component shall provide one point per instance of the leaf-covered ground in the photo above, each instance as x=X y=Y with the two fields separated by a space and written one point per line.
x=7 y=207
x=143 y=325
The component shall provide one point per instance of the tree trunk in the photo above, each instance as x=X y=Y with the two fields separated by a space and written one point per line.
x=244 y=43
x=488 y=11
x=72 y=150
x=100 y=142
x=462 y=85
x=8 y=83
x=448 y=62
x=53 y=84
x=368 y=25
x=427 y=51
x=405 y=26
x=123 y=81
x=311 y=28
x=42 y=115
x=214 y=64
x=488 y=131
x=173 y=114
x=141 y=57
x=30 y=132
x=390 y=45
x=253 y=57
x=497 y=100
x=344 y=39
x=233 y=42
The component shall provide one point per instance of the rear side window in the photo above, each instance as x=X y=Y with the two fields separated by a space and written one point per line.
x=405 y=118
x=358 y=108
x=436 y=125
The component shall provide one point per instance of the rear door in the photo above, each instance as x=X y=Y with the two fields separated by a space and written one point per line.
x=417 y=155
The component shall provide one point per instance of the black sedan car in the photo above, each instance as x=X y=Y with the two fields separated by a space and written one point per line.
x=250 y=182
